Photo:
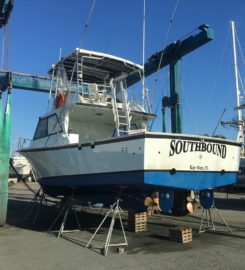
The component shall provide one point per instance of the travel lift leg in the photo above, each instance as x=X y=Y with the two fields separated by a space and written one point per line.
x=5 y=125
x=67 y=207
x=115 y=209
x=207 y=203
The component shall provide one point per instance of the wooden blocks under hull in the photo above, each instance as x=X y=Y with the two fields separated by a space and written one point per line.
x=137 y=222
x=181 y=234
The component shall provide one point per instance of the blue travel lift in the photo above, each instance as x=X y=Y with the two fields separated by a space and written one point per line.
x=6 y=7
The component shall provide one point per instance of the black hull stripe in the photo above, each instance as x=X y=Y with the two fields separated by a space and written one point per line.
x=129 y=138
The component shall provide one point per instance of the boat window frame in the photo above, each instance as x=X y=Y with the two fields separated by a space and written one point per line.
x=47 y=134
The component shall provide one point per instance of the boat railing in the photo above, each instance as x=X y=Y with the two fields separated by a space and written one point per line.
x=102 y=94
x=22 y=143
x=95 y=92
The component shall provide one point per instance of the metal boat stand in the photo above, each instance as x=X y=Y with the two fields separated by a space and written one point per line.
x=37 y=201
x=209 y=220
x=115 y=209
x=67 y=207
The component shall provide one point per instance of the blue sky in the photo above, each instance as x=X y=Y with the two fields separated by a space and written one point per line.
x=38 y=29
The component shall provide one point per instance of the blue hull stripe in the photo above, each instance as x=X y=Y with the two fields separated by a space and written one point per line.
x=190 y=180
x=184 y=180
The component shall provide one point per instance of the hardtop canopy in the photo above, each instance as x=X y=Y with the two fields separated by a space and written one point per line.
x=96 y=67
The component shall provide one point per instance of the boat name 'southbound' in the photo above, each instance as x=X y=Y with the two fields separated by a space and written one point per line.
x=178 y=146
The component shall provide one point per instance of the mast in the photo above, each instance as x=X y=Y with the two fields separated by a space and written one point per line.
x=239 y=112
x=143 y=60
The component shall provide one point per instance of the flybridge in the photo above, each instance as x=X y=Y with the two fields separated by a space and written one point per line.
x=132 y=73
x=96 y=67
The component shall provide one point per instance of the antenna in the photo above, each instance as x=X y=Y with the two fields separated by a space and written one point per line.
x=87 y=23
x=60 y=53
x=219 y=122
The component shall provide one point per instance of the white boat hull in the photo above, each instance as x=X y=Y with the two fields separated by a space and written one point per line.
x=148 y=159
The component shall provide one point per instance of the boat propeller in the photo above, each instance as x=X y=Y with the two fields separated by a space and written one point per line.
x=152 y=203
x=190 y=205
x=160 y=201
x=191 y=201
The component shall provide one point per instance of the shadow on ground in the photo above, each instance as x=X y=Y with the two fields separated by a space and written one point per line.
x=22 y=213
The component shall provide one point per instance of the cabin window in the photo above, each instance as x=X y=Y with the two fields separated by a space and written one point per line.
x=41 y=130
x=47 y=126
x=53 y=125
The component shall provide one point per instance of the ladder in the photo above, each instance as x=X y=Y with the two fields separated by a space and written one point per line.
x=122 y=116
x=79 y=73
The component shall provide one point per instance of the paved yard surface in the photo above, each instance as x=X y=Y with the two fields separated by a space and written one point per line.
x=27 y=246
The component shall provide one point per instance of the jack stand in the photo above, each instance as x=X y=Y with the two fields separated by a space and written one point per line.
x=38 y=199
x=36 y=202
x=67 y=207
x=210 y=221
x=115 y=210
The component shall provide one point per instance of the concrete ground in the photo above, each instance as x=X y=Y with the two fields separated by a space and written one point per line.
x=24 y=245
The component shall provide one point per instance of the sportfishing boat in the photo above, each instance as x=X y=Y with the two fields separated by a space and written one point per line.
x=94 y=139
